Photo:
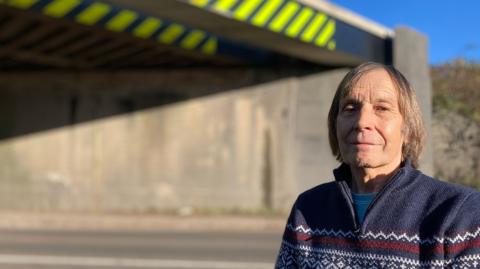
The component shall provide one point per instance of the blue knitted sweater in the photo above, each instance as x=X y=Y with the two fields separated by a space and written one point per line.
x=414 y=221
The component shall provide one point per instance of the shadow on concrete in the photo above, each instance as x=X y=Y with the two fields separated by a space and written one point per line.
x=34 y=101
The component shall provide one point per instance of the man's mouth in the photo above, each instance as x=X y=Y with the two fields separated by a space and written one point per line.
x=363 y=143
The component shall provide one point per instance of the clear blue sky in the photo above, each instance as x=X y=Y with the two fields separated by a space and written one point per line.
x=453 y=27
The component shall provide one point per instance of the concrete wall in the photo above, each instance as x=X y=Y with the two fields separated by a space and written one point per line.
x=79 y=141
x=314 y=160
x=410 y=56
x=70 y=142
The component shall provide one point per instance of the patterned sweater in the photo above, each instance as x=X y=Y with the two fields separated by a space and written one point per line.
x=414 y=221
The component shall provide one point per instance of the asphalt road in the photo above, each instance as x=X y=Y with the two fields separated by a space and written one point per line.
x=136 y=249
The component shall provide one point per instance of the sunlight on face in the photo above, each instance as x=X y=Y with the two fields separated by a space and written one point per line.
x=369 y=123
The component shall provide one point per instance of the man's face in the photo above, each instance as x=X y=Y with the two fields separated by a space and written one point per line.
x=369 y=123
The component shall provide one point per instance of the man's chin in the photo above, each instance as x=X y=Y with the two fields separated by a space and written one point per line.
x=362 y=160
x=364 y=163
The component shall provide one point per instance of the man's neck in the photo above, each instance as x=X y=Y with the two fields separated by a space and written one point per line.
x=368 y=180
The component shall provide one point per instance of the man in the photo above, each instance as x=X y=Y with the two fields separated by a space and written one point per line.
x=380 y=212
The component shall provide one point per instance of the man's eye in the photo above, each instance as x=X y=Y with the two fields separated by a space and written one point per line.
x=381 y=108
x=349 y=108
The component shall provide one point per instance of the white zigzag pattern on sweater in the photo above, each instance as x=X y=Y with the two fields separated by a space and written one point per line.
x=310 y=257
x=322 y=232
x=391 y=236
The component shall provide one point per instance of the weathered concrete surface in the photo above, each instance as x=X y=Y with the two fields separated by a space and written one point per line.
x=201 y=153
x=410 y=56
x=79 y=142
x=314 y=159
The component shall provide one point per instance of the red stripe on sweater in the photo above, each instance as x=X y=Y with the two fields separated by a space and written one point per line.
x=459 y=247
x=385 y=244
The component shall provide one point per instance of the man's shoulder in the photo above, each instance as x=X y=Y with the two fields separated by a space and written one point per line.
x=442 y=197
x=441 y=188
x=319 y=192
x=327 y=186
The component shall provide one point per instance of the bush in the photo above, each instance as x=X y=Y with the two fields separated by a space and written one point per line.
x=456 y=87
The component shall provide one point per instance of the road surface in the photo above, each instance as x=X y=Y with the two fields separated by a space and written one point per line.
x=61 y=249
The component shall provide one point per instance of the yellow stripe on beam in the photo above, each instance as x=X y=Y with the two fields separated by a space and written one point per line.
x=265 y=12
x=224 y=5
x=246 y=9
x=60 y=8
x=326 y=33
x=332 y=45
x=317 y=22
x=93 y=13
x=23 y=4
x=147 y=27
x=192 y=39
x=210 y=47
x=284 y=16
x=170 y=34
x=297 y=25
x=199 y=3
x=121 y=21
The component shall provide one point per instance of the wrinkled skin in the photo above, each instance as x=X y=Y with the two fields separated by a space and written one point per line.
x=369 y=130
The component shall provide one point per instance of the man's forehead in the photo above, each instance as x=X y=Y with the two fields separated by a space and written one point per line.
x=375 y=83
x=378 y=92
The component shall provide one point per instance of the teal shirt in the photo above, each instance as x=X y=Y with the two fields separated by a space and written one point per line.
x=361 y=201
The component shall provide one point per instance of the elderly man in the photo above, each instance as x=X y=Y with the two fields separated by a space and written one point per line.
x=380 y=212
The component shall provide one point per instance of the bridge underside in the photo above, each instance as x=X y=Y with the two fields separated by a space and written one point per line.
x=116 y=34
x=33 y=41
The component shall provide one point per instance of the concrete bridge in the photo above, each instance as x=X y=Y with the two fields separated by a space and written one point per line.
x=151 y=106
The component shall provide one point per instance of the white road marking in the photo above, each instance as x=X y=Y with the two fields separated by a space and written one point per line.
x=127 y=262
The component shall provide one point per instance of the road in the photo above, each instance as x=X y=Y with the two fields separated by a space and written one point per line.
x=61 y=249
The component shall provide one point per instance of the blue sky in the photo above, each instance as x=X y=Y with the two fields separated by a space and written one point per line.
x=453 y=27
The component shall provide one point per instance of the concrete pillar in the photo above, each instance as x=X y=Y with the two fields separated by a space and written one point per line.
x=314 y=159
x=410 y=56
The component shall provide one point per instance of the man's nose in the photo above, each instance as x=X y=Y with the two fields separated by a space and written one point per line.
x=366 y=118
